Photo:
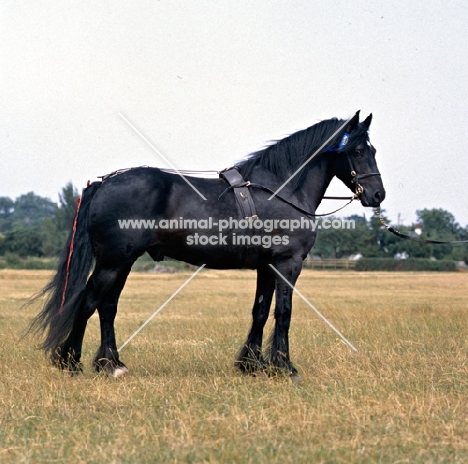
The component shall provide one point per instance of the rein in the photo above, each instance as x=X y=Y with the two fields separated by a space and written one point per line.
x=414 y=239
x=302 y=210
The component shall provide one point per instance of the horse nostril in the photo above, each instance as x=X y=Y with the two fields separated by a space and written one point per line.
x=379 y=197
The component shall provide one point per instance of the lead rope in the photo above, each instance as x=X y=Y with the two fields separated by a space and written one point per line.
x=414 y=239
x=70 y=253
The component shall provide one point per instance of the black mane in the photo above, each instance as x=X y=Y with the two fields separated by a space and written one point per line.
x=285 y=156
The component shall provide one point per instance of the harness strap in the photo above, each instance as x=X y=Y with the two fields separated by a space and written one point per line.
x=302 y=210
x=338 y=198
x=241 y=190
x=246 y=207
x=358 y=177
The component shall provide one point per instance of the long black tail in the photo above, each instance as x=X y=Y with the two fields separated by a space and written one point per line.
x=66 y=291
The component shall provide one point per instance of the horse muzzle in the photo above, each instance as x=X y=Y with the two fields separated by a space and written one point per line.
x=370 y=197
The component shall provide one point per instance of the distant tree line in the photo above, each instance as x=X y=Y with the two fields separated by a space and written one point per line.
x=34 y=226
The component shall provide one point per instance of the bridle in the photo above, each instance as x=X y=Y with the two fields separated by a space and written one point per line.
x=355 y=177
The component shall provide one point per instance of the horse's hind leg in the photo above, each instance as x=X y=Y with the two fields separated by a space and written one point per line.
x=68 y=355
x=103 y=286
x=107 y=357
x=250 y=356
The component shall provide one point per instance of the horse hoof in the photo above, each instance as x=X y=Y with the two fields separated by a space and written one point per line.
x=120 y=372
x=296 y=378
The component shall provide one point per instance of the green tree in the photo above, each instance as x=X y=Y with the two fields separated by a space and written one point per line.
x=57 y=228
x=22 y=222
x=66 y=209
x=30 y=210
x=409 y=248
x=7 y=206
x=24 y=241
x=378 y=242
x=36 y=226
x=439 y=224
x=342 y=242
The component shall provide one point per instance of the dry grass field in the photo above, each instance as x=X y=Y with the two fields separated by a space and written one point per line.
x=403 y=397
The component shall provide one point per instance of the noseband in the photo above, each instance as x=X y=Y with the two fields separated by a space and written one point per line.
x=355 y=178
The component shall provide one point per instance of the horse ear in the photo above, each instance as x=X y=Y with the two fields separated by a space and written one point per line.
x=367 y=121
x=353 y=123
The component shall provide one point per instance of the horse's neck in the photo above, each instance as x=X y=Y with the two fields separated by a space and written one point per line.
x=317 y=181
x=311 y=193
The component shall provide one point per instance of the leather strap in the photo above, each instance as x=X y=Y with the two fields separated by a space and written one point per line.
x=246 y=208
x=241 y=191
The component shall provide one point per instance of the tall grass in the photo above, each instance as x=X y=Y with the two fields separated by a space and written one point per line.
x=401 y=398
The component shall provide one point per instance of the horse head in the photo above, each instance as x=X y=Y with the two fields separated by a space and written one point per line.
x=355 y=163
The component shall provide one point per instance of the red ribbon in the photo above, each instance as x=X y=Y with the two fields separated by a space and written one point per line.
x=70 y=253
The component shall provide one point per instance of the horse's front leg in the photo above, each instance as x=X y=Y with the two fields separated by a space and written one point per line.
x=279 y=341
x=250 y=358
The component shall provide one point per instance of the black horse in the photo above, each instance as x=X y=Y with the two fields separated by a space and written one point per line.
x=103 y=234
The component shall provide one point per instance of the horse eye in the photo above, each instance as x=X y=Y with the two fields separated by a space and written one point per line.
x=358 y=152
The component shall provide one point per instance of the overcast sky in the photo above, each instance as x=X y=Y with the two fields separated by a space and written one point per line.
x=210 y=81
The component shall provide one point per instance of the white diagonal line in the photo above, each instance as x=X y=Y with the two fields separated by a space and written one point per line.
x=310 y=157
x=164 y=304
x=160 y=154
x=314 y=308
